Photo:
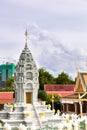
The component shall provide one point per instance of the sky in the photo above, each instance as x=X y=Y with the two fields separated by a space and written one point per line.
x=57 y=33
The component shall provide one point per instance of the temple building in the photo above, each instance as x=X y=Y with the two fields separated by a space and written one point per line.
x=77 y=102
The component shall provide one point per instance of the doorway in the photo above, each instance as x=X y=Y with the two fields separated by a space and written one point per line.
x=28 y=97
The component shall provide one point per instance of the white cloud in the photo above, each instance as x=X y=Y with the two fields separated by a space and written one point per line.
x=57 y=35
x=54 y=55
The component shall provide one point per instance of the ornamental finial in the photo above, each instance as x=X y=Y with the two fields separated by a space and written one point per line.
x=26 y=34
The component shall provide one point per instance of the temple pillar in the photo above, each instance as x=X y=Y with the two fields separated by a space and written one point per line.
x=67 y=107
x=81 y=111
x=75 y=105
x=86 y=106
x=63 y=106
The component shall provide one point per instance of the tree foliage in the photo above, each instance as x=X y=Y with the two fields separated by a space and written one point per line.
x=45 y=78
x=10 y=84
x=2 y=89
x=64 y=78
x=42 y=95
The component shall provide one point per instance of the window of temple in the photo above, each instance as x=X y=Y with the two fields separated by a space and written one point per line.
x=29 y=75
x=27 y=60
x=28 y=67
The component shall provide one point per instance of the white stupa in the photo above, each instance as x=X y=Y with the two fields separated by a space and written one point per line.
x=26 y=78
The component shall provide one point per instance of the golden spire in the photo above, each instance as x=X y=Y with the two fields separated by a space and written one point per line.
x=26 y=35
x=76 y=66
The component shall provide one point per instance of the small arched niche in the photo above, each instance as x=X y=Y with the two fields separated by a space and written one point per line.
x=29 y=75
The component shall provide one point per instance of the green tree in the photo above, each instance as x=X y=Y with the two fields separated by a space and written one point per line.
x=42 y=95
x=45 y=78
x=64 y=78
x=2 y=89
x=10 y=84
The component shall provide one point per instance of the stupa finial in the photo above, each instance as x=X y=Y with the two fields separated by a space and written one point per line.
x=26 y=35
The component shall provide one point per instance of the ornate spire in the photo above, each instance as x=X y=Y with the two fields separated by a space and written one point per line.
x=26 y=35
x=76 y=66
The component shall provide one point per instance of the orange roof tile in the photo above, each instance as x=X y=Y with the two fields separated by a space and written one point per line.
x=60 y=93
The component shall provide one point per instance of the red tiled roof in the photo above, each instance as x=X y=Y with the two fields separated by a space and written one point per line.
x=6 y=97
x=2 y=101
x=61 y=90
x=59 y=87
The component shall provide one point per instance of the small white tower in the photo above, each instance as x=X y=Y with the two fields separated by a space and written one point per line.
x=26 y=77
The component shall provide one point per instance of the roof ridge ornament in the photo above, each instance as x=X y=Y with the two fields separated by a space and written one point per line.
x=76 y=66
